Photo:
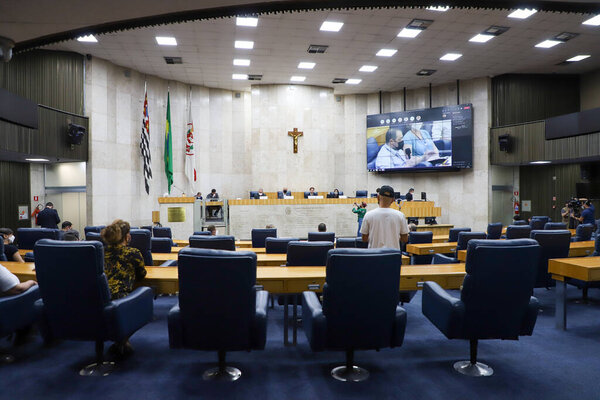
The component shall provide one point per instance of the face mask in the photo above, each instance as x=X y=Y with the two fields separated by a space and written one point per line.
x=11 y=238
x=417 y=126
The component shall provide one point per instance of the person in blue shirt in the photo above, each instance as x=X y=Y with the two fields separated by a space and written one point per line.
x=419 y=142
x=393 y=155
x=587 y=215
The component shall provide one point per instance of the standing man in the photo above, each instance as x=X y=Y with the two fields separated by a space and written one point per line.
x=384 y=226
x=409 y=195
x=48 y=217
x=587 y=215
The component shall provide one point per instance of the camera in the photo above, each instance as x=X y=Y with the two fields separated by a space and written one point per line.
x=575 y=206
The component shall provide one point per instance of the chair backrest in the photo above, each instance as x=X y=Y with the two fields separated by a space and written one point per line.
x=94 y=236
x=94 y=228
x=494 y=230
x=219 y=242
x=549 y=226
x=217 y=298
x=201 y=233
x=554 y=244
x=73 y=287
x=2 y=255
x=342 y=243
x=544 y=218
x=141 y=240
x=518 y=231
x=254 y=194
x=308 y=253
x=497 y=287
x=360 y=244
x=362 y=193
x=519 y=222
x=306 y=194
x=360 y=297
x=465 y=237
x=321 y=236
x=26 y=237
x=453 y=233
x=420 y=237
x=162 y=232
x=147 y=227
x=259 y=236
x=537 y=224
x=331 y=194
x=161 y=245
x=596 y=252
x=584 y=232
x=280 y=194
x=275 y=245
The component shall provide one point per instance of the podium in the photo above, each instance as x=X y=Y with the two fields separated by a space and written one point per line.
x=178 y=214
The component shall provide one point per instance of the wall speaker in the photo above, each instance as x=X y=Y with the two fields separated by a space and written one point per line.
x=75 y=134
x=504 y=143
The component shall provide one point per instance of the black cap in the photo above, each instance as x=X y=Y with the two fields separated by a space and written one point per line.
x=386 y=191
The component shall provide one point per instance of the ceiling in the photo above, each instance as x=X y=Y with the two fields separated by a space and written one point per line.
x=281 y=41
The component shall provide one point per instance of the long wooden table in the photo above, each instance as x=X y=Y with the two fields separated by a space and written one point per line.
x=238 y=243
x=577 y=249
x=583 y=268
x=431 y=248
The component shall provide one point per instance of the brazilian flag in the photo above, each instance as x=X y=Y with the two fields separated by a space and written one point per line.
x=169 y=146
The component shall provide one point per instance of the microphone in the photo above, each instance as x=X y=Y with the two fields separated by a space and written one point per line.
x=407 y=152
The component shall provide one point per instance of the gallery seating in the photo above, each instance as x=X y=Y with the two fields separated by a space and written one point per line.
x=94 y=236
x=495 y=300
x=537 y=224
x=308 y=253
x=518 y=231
x=544 y=218
x=321 y=236
x=341 y=243
x=259 y=236
x=362 y=193
x=554 y=226
x=520 y=222
x=583 y=232
x=17 y=312
x=219 y=242
x=453 y=233
x=161 y=245
x=420 y=237
x=26 y=237
x=141 y=240
x=554 y=244
x=494 y=230
x=274 y=245
x=462 y=242
x=200 y=233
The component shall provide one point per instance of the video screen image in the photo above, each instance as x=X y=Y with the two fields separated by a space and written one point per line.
x=429 y=139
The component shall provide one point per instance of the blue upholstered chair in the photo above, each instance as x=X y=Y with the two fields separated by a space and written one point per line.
x=342 y=243
x=453 y=233
x=330 y=194
x=583 y=232
x=162 y=232
x=259 y=235
x=494 y=230
x=554 y=244
x=550 y=226
x=360 y=244
x=537 y=224
x=75 y=299
x=219 y=242
x=362 y=194
x=321 y=236
x=544 y=218
x=519 y=222
x=254 y=195
x=161 y=245
x=420 y=237
x=360 y=307
x=308 y=253
x=275 y=245
x=372 y=150
x=201 y=233
x=518 y=231
x=306 y=194
x=26 y=237
x=2 y=255
x=141 y=240
x=495 y=300
x=219 y=307
x=462 y=242
x=94 y=236
x=147 y=227
x=96 y=228
x=17 y=312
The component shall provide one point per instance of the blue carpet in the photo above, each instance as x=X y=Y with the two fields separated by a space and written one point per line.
x=551 y=364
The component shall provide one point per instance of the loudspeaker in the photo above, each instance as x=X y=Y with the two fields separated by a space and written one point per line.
x=75 y=134
x=424 y=196
x=504 y=143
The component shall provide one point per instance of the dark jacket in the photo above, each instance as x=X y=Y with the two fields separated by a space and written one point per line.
x=48 y=218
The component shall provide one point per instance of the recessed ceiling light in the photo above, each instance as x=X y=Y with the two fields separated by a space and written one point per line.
x=244 y=44
x=246 y=21
x=296 y=78
x=239 y=76
x=438 y=8
x=522 y=13
x=450 y=57
x=386 y=52
x=87 y=39
x=241 y=62
x=331 y=26
x=579 y=57
x=481 y=38
x=540 y=162
x=368 y=68
x=306 y=65
x=546 y=44
x=409 y=32
x=594 y=21
x=166 y=41
x=353 y=81
x=36 y=159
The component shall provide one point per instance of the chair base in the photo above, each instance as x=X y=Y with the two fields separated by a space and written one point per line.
x=98 y=369
x=473 y=369
x=354 y=374
x=225 y=374
x=6 y=358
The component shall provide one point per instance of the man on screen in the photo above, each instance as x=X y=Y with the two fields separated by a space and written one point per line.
x=392 y=154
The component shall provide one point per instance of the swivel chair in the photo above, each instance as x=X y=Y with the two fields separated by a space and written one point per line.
x=200 y=233
x=519 y=222
x=518 y=231
x=17 y=312
x=141 y=240
x=321 y=236
x=537 y=224
x=494 y=230
x=553 y=244
x=259 y=236
x=275 y=245
x=308 y=253
x=544 y=218
x=27 y=237
x=549 y=226
x=362 y=194
x=463 y=241
x=453 y=233
x=161 y=245
x=341 y=243
x=420 y=237
x=220 y=242
x=306 y=194
x=583 y=233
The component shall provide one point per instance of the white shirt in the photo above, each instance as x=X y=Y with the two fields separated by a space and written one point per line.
x=390 y=158
x=7 y=279
x=384 y=227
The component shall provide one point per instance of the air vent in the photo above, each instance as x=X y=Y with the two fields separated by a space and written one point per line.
x=495 y=30
x=317 y=48
x=339 y=80
x=254 y=77
x=173 y=60
x=565 y=36
x=419 y=24
x=426 y=72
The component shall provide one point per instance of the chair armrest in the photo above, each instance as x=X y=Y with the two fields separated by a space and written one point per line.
x=169 y=263
x=442 y=259
x=314 y=321
x=530 y=316
x=399 y=327
x=259 y=334
x=444 y=311
x=19 y=311
x=175 y=328
x=127 y=315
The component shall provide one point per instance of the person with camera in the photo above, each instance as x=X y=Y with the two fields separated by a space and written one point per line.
x=587 y=214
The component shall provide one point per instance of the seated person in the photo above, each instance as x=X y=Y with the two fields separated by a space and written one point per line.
x=198 y=196
x=311 y=192
x=213 y=211
x=412 y=227
x=10 y=250
x=10 y=284
x=270 y=226
x=67 y=226
x=261 y=193
x=419 y=142
x=212 y=229
x=409 y=195
x=336 y=194
x=322 y=227
x=71 y=236
x=286 y=192
x=392 y=154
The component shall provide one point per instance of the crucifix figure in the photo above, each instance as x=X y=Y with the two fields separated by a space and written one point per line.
x=295 y=133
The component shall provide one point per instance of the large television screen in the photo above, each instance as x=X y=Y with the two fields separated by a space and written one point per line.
x=438 y=139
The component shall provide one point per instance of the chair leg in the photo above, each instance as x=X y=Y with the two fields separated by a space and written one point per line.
x=100 y=367
x=350 y=372
x=472 y=367
x=222 y=372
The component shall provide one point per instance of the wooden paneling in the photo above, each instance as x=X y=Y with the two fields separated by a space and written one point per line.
x=14 y=192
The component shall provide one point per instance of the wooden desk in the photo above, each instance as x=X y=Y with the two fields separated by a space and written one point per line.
x=577 y=249
x=263 y=260
x=440 y=238
x=439 y=229
x=585 y=269
x=238 y=243
x=431 y=248
x=22 y=252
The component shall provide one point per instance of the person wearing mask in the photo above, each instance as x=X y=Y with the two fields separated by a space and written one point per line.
x=360 y=210
x=393 y=155
x=10 y=250
x=48 y=217
x=409 y=195
x=336 y=194
x=384 y=226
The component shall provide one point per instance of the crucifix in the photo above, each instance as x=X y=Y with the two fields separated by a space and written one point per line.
x=295 y=134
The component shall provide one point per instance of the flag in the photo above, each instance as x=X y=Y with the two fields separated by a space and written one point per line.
x=168 y=156
x=190 y=154
x=145 y=145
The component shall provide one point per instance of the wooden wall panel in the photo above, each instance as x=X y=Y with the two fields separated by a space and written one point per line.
x=15 y=191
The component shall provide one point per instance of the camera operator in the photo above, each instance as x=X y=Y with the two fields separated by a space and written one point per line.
x=574 y=207
x=587 y=215
x=565 y=214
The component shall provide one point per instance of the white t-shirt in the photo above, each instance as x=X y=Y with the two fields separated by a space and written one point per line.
x=7 y=279
x=384 y=227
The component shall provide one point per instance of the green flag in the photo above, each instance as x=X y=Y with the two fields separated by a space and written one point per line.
x=168 y=146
